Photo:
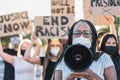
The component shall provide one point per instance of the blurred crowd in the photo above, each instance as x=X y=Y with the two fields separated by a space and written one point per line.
x=34 y=58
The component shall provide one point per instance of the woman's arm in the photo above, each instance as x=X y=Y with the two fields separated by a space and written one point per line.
x=35 y=59
x=38 y=47
x=110 y=73
x=112 y=26
x=57 y=75
x=8 y=58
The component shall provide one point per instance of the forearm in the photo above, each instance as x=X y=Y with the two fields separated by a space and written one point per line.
x=88 y=74
x=70 y=77
x=8 y=58
x=38 y=47
x=113 y=29
x=93 y=76
x=34 y=59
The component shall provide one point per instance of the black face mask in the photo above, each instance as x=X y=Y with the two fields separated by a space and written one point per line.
x=22 y=52
x=110 y=49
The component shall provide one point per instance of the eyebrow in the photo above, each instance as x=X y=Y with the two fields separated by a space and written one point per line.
x=82 y=31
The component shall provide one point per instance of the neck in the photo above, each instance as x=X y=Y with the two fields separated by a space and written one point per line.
x=53 y=58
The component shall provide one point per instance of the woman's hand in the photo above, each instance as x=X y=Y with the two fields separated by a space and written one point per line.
x=71 y=76
x=88 y=74
x=31 y=28
x=33 y=36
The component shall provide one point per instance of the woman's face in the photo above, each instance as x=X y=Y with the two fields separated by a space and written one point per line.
x=24 y=46
x=55 y=43
x=82 y=30
x=111 y=42
x=55 y=47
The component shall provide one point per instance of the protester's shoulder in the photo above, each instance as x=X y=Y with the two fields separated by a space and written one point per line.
x=100 y=55
x=104 y=56
x=10 y=51
x=105 y=60
x=7 y=49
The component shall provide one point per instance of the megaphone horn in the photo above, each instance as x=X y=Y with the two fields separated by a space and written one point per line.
x=78 y=57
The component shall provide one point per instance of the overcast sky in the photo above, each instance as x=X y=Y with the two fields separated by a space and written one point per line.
x=34 y=7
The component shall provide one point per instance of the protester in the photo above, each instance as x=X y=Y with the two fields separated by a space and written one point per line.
x=112 y=29
x=102 y=68
x=100 y=34
x=11 y=50
x=54 y=51
x=23 y=69
x=109 y=44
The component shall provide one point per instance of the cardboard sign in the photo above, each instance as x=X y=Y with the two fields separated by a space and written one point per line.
x=53 y=26
x=62 y=7
x=94 y=12
x=15 y=23
x=105 y=7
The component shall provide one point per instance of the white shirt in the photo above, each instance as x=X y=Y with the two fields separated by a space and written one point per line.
x=97 y=66
x=23 y=69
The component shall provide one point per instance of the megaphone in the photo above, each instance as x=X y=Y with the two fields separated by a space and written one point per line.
x=78 y=57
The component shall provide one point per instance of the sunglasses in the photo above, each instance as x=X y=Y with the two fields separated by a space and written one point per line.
x=85 y=33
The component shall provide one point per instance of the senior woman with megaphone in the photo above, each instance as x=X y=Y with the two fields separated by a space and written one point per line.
x=83 y=62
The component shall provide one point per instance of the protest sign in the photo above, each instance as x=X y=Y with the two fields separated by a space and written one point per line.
x=14 y=23
x=53 y=26
x=100 y=11
x=62 y=7
x=105 y=7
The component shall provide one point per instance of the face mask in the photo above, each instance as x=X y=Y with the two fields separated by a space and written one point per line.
x=22 y=52
x=81 y=40
x=55 y=51
x=110 y=49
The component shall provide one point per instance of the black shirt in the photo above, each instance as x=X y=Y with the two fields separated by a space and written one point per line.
x=9 y=73
x=116 y=61
x=49 y=70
